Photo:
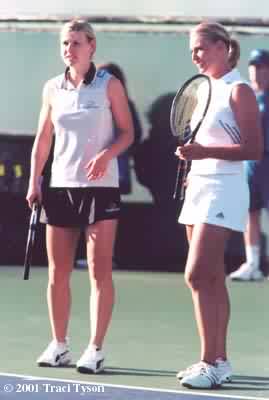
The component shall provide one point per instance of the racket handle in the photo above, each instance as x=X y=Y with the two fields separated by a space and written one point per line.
x=177 y=180
x=26 y=272
x=30 y=241
x=183 y=181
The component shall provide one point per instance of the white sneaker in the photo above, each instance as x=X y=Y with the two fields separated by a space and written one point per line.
x=91 y=361
x=224 y=369
x=246 y=272
x=56 y=354
x=204 y=377
x=181 y=374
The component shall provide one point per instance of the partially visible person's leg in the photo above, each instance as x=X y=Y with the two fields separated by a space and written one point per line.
x=250 y=270
x=259 y=193
x=252 y=239
x=252 y=235
x=253 y=230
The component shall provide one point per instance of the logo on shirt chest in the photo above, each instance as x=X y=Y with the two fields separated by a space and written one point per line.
x=89 y=104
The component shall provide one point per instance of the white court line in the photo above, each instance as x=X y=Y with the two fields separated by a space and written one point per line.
x=192 y=393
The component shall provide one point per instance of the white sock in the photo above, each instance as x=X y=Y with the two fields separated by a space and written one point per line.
x=253 y=256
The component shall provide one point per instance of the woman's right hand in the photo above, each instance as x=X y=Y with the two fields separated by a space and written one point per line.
x=34 y=195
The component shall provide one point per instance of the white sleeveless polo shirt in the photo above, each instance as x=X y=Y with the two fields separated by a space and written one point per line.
x=219 y=127
x=83 y=124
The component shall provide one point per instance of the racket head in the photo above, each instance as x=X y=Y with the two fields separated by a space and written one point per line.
x=192 y=100
x=30 y=240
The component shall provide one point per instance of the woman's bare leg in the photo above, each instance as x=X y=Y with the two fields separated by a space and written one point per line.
x=204 y=271
x=100 y=243
x=61 y=249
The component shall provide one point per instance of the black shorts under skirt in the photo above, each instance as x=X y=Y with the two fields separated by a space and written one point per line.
x=79 y=207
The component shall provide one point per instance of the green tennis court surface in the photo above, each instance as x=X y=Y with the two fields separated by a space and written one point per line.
x=152 y=336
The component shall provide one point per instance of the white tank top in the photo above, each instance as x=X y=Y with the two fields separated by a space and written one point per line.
x=83 y=124
x=219 y=127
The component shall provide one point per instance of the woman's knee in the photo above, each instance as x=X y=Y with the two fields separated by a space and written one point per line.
x=58 y=277
x=198 y=278
x=99 y=279
x=100 y=275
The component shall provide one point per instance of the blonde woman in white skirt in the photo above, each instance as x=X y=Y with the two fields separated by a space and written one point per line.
x=217 y=198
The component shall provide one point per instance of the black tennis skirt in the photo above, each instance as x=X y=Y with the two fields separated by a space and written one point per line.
x=79 y=207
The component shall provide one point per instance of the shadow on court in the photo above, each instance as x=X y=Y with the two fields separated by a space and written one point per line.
x=126 y=371
x=248 y=383
x=138 y=372
x=250 y=379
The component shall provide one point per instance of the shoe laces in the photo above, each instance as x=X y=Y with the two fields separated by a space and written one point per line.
x=209 y=370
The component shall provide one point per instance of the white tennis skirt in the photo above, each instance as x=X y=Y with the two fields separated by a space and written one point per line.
x=221 y=200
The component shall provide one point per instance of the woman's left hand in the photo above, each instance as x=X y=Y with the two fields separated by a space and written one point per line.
x=96 y=168
x=193 y=151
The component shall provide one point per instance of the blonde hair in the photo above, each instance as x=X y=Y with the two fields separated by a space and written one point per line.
x=79 y=25
x=213 y=31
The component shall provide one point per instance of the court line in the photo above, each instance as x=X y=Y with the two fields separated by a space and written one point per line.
x=190 y=393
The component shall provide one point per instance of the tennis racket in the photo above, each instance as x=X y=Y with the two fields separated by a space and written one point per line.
x=188 y=110
x=31 y=240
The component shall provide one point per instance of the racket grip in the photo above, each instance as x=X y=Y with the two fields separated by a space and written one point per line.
x=183 y=181
x=26 y=273
x=177 y=180
x=30 y=240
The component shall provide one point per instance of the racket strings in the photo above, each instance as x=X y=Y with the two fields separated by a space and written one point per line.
x=189 y=108
x=183 y=116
